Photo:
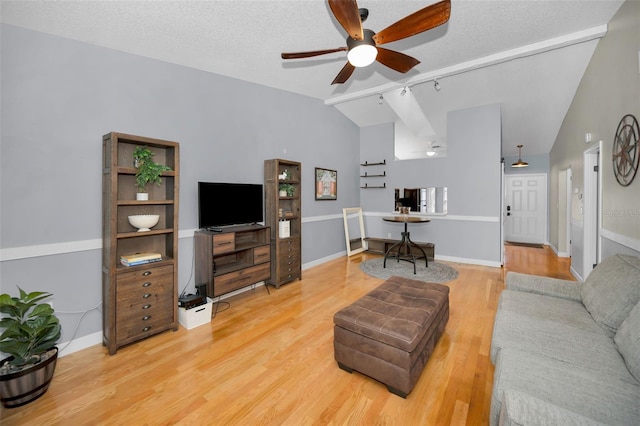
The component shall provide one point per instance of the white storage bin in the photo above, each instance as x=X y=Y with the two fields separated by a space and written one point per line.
x=284 y=228
x=191 y=318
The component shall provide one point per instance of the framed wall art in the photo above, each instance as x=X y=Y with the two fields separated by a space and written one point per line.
x=326 y=184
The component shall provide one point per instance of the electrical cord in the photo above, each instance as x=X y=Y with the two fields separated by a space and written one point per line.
x=75 y=332
x=217 y=305
x=193 y=263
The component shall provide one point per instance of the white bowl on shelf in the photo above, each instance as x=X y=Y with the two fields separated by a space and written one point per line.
x=144 y=222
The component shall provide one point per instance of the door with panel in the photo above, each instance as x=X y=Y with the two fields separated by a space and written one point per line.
x=526 y=208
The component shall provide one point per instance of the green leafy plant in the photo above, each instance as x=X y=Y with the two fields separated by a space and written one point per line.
x=290 y=189
x=148 y=170
x=29 y=328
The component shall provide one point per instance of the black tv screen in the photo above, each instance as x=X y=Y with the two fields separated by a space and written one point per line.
x=221 y=204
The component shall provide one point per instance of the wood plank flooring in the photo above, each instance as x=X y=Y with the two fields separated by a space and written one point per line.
x=268 y=360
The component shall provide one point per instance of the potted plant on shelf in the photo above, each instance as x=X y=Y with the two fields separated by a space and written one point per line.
x=30 y=331
x=148 y=170
x=286 y=190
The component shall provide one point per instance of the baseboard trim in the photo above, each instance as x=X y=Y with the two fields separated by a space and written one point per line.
x=481 y=262
x=558 y=253
x=576 y=275
x=624 y=240
x=80 y=343
x=323 y=260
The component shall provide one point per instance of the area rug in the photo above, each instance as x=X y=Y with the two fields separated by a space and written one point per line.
x=435 y=273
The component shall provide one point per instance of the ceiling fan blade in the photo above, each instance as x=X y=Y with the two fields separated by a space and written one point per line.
x=347 y=13
x=344 y=73
x=298 y=55
x=420 y=21
x=396 y=60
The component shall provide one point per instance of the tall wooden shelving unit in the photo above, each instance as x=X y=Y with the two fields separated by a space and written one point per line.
x=138 y=301
x=286 y=251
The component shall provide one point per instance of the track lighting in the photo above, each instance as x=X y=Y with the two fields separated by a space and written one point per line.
x=436 y=85
x=405 y=89
x=380 y=99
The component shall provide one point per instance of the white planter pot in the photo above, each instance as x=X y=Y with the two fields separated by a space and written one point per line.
x=142 y=196
x=283 y=193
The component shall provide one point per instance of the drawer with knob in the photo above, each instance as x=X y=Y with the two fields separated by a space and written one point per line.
x=137 y=308
x=144 y=281
x=224 y=243
x=261 y=254
x=144 y=302
x=143 y=326
x=288 y=274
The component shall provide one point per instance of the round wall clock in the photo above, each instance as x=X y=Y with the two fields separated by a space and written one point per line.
x=626 y=152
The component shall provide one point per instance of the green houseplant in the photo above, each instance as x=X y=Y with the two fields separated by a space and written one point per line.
x=30 y=331
x=288 y=188
x=148 y=171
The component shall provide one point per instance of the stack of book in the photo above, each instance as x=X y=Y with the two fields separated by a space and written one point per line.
x=139 y=258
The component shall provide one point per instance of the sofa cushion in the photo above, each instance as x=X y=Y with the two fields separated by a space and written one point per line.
x=520 y=409
x=590 y=393
x=518 y=311
x=612 y=290
x=549 y=308
x=558 y=329
x=547 y=286
x=627 y=340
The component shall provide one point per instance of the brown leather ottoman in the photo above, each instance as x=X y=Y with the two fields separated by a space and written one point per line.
x=390 y=333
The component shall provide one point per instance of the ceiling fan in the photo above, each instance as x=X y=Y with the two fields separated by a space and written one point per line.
x=363 y=44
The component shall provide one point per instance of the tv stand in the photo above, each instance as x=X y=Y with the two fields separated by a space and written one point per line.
x=232 y=258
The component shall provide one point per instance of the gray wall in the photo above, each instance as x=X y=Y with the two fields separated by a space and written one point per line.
x=60 y=96
x=610 y=88
x=471 y=171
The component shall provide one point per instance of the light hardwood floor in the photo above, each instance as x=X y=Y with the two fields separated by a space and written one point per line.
x=268 y=360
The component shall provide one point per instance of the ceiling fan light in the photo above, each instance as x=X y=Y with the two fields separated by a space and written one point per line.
x=362 y=52
x=431 y=153
x=362 y=55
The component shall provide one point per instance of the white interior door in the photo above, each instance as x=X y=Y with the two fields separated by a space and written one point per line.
x=526 y=208
x=592 y=208
x=564 y=213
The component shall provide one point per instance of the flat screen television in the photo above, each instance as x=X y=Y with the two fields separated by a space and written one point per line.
x=221 y=204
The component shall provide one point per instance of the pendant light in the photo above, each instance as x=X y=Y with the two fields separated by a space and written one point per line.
x=520 y=163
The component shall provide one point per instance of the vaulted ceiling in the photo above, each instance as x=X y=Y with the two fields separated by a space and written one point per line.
x=527 y=55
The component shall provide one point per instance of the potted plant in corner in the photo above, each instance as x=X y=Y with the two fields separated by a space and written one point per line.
x=148 y=170
x=30 y=331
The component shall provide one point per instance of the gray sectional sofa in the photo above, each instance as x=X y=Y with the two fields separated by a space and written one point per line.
x=568 y=353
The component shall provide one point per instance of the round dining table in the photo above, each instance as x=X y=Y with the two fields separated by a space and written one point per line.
x=405 y=247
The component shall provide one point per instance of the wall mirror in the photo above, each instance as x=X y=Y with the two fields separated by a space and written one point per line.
x=354 y=230
x=430 y=200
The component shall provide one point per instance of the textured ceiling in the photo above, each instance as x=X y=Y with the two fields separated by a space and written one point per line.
x=244 y=39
